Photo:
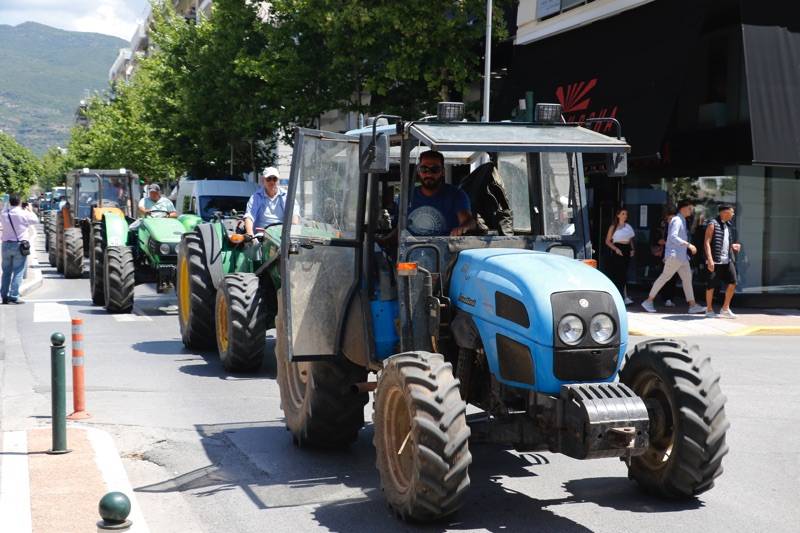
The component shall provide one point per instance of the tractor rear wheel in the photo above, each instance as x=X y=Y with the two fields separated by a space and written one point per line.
x=320 y=407
x=118 y=282
x=96 y=273
x=47 y=234
x=73 y=253
x=421 y=437
x=195 y=290
x=687 y=418
x=60 y=243
x=241 y=323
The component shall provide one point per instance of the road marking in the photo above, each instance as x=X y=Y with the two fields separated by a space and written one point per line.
x=15 y=491
x=131 y=318
x=74 y=301
x=108 y=461
x=50 y=312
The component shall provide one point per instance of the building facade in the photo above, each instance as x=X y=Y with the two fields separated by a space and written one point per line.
x=708 y=94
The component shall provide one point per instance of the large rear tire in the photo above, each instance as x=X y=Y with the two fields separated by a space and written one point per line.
x=60 y=243
x=73 y=253
x=119 y=282
x=687 y=418
x=96 y=272
x=421 y=436
x=241 y=323
x=320 y=407
x=196 y=293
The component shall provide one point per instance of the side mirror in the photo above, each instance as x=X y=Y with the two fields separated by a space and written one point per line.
x=373 y=153
x=617 y=165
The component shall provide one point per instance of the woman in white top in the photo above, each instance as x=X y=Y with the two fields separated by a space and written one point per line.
x=620 y=238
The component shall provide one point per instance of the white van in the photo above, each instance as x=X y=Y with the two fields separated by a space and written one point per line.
x=206 y=197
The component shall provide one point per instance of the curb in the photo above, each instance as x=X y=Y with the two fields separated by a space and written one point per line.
x=750 y=331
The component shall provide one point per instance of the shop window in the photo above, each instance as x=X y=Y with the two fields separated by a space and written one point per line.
x=546 y=9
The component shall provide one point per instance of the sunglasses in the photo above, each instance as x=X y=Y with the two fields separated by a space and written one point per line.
x=271 y=178
x=425 y=169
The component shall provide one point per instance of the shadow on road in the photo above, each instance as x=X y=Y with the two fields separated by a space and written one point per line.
x=259 y=459
x=212 y=367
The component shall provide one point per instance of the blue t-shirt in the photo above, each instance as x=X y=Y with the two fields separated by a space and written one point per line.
x=437 y=214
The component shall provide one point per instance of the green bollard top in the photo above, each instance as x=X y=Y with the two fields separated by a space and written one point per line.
x=57 y=339
x=114 y=507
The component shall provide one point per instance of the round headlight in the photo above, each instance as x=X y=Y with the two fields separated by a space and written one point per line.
x=570 y=329
x=165 y=249
x=601 y=328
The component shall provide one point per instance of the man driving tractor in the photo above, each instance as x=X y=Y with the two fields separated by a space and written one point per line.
x=156 y=202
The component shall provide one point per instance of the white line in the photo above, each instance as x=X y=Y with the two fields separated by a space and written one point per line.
x=50 y=312
x=114 y=475
x=15 y=484
x=75 y=301
x=132 y=318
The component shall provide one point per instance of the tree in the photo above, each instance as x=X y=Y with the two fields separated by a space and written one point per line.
x=383 y=55
x=55 y=165
x=19 y=168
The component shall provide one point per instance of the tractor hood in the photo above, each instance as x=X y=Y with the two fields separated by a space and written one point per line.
x=164 y=230
x=525 y=281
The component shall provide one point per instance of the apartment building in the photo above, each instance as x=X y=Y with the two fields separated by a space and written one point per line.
x=708 y=94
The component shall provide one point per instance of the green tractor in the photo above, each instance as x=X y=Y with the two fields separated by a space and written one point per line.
x=132 y=252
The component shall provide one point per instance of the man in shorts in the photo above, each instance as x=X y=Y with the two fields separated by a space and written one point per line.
x=720 y=261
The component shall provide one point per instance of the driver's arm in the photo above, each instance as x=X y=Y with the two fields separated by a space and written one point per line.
x=248 y=225
x=142 y=210
x=465 y=223
x=173 y=214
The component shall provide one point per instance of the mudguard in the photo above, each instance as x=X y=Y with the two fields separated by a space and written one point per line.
x=116 y=228
x=189 y=222
x=211 y=238
x=522 y=316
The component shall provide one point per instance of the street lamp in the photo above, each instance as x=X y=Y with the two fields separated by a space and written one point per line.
x=487 y=63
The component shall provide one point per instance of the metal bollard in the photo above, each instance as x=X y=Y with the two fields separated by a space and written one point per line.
x=58 y=394
x=114 y=509
x=78 y=383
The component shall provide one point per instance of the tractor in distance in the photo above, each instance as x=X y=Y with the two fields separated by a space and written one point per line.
x=512 y=318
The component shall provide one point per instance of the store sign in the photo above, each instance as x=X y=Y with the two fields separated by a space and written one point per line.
x=576 y=103
x=545 y=8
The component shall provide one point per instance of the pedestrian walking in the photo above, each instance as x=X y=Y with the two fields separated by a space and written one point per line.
x=658 y=241
x=620 y=239
x=15 y=248
x=676 y=259
x=720 y=247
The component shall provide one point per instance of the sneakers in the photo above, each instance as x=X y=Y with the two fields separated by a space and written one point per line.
x=696 y=308
x=726 y=313
x=669 y=303
x=628 y=301
x=711 y=314
x=648 y=306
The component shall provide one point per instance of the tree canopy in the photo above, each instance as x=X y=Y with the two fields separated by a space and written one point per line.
x=19 y=168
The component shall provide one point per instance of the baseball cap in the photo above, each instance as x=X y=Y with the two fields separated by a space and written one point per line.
x=271 y=171
x=154 y=187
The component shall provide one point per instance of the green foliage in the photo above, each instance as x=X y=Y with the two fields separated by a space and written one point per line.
x=55 y=165
x=19 y=168
x=44 y=73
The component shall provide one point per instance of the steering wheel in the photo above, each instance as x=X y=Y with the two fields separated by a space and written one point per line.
x=158 y=213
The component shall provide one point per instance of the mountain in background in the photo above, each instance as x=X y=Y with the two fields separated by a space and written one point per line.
x=44 y=73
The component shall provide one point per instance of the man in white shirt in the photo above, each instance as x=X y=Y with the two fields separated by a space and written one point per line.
x=16 y=222
x=156 y=202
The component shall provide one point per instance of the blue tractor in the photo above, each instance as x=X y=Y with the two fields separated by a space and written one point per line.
x=513 y=319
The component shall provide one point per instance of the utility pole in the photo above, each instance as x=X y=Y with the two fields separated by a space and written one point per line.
x=487 y=63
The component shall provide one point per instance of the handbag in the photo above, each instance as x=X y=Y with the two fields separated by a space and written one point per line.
x=24 y=246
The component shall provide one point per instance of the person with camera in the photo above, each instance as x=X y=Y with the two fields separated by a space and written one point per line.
x=15 y=248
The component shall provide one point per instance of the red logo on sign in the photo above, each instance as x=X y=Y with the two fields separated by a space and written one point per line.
x=575 y=102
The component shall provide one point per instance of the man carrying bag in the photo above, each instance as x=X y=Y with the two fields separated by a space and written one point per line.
x=15 y=250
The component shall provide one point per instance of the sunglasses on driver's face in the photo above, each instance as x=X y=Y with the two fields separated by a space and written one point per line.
x=425 y=169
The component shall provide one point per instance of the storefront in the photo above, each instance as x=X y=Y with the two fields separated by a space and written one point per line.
x=708 y=94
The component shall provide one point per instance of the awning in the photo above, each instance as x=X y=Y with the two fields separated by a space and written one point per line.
x=771 y=34
x=631 y=66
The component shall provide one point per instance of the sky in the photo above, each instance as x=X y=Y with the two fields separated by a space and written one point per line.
x=112 y=17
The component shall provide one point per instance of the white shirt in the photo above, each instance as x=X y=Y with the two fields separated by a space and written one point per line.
x=623 y=234
x=724 y=258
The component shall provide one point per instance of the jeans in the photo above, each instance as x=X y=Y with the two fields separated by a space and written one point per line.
x=13 y=267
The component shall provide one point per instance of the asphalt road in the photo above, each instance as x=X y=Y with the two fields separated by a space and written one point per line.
x=208 y=452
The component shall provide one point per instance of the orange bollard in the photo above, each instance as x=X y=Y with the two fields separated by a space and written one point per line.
x=78 y=384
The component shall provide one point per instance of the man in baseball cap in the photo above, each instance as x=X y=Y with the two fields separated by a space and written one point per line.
x=267 y=205
x=156 y=202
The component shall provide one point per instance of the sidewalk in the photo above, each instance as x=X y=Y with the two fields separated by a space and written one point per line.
x=43 y=493
x=676 y=322
x=33 y=277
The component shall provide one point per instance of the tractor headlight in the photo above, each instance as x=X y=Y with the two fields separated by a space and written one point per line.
x=165 y=249
x=601 y=328
x=570 y=329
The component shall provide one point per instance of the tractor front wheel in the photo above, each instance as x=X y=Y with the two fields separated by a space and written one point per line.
x=241 y=323
x=119 y=282
x=421 y=436
x=687 y=418
x=96 y=272
x=320 y=407
x=195 y=290
x=73 y=253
